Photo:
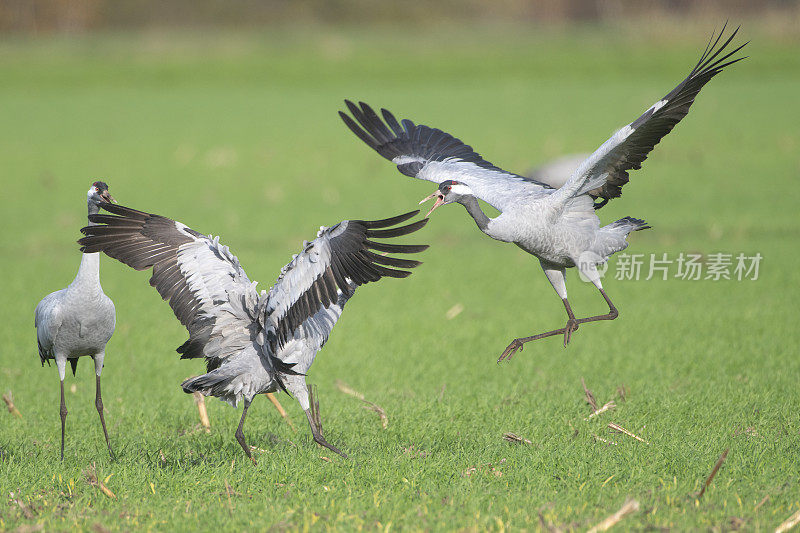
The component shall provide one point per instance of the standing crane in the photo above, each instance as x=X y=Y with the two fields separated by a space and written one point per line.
x=253 y=342
x=79 y=320
x=557 y=224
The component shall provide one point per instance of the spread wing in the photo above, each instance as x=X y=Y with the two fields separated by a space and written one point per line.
x=433 y=155
x=206 y=287
x=311 y=291
x=607 y=168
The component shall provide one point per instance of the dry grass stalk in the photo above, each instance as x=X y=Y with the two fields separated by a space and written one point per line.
x=762 y=502
x=630 y=506
x=345 y=388
x=601 y=439
x=281 y=410
x=9 y=399
x=381 y=413
x=254 y=449
x=617 y=427
x=516 y=439
x=454 y=311
x=589 y=396
x=106 y=490
x=25 y=509
x=713 y=473
x=91 y=479
x=789 y=523
x=608 y=406
x=200 y=400
x=488 y=468
x=622 y=393
x=228 y=491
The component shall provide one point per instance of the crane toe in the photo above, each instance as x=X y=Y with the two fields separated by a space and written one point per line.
x=570 y=327
x=511 y=349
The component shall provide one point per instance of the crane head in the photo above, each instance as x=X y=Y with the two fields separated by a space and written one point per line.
x=98 y=192
x=449 y=191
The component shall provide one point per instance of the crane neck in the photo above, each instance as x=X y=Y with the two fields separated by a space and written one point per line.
x=93 y=208
x=470 y=203
x=88 y=272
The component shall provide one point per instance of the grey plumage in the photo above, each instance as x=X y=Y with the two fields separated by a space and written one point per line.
x=79 y=320
x=550 y=218
x=253 y=342
x=556 y=172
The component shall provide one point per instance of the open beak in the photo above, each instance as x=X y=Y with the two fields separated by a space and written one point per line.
x=439 y=201
x=105 y=195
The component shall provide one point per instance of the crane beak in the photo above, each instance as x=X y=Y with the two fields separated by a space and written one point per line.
x=105 y=195
x=439 y=201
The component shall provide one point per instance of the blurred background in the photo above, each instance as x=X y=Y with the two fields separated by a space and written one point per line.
x=79 y=16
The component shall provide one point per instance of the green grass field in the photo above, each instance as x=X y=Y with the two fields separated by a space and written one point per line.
x=238 y=135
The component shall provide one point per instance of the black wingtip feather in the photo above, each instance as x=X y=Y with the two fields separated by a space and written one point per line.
x=397 y=232
x=360 y=133
x=389 y=221
x=396 y=248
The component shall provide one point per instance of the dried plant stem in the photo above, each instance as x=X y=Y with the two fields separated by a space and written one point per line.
x=9 y=399
x=789 y=523
x=713 y=473
x=762 y=502
x=91 y=478
x=200 y=400
x=627 y=508
x=345 y=388
x=601 y=439
x=516 y=439
x=617 y=427
x=589 y=396
x=608 y=406
x=228 y=492
x=106 y=490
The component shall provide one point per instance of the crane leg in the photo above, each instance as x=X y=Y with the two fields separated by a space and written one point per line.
x=556 y=275
x=611 y=315
x=240 y=436
x=98 y=403
x=571 y=325
x=567 y=330
x=315 y=422
x=63 y=413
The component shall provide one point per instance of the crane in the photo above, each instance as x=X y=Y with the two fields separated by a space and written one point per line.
x=79 y=320
x=253 y=342
x=554 y=222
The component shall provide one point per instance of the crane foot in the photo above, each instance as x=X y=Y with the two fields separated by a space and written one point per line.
x=571 y=326
x=510 y=350
x=517 y=344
